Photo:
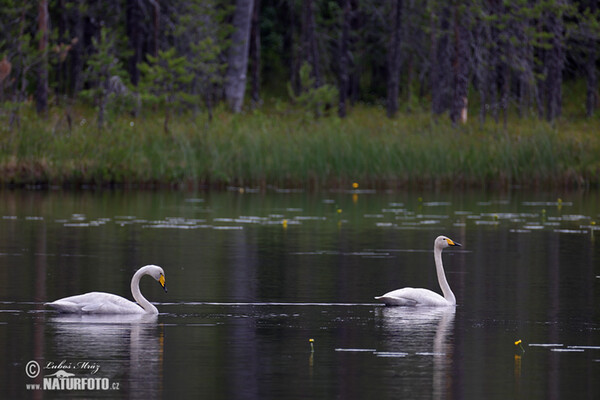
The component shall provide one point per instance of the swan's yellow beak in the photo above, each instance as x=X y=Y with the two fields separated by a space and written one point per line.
x=452 y=243
x=161 y=280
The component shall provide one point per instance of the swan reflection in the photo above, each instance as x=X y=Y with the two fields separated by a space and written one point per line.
x=128 y=348
x=426 y=332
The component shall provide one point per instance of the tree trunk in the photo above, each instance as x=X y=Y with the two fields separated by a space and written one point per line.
x=310 y=41
x=526 y=74
x=166 y=123
x=5 y=68
x=235 y=82
x=255 y=55
x=555 y=59
x=208 y=104
x=481 y=54
x=19 y=92
x=393 y=59
x=101 y=108
x=77 y=52
x=440 y=61
x=61 y=73
x=356 y=25
x=134 y=27
x=41 y=96
x=505 y=87
x=156 y=22
x=344 y=59
x=591 y=100
x=458 y=110
x=289 y=46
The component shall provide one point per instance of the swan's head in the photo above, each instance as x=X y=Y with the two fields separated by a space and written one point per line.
x=157 y=273
x=443 y=242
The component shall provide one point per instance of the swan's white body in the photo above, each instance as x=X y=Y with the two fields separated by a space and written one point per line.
x=423 y=297
x=107 y=303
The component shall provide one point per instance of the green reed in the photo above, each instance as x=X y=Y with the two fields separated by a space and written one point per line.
x=292 y=149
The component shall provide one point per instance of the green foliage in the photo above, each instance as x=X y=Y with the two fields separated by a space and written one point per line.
x=202 y=36
x=286 y=150
x=509 y=38
x=19 y=47
x=313 y=99
x=205 y=62
x=106 y=77
x=583 y=31
x=164 y=81
x=206 y=68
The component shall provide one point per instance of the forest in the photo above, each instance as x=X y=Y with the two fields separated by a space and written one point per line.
x=197 y=53
x=456 y=61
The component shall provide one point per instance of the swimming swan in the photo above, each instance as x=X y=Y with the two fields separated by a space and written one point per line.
x=106 y=303
x=422 y=297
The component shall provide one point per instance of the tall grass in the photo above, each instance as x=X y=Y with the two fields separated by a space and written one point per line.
x=288 y=149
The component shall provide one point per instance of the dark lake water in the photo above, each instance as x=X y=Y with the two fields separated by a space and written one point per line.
x=253 y=277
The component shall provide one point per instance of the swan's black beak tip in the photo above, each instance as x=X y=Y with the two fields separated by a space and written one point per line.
x=452 y=242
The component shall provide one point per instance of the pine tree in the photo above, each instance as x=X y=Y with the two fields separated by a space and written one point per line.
x=106 y=75
x=206 y=69
x=202 y=37
x=164 y=79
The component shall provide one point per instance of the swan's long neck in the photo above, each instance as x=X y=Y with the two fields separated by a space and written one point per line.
x=439 y=267
x=137 y=295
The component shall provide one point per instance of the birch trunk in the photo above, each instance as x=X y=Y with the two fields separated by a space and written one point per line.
x=235 y=82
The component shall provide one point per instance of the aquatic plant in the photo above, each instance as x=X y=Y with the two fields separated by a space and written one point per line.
x=284 y=149
x=518 y=343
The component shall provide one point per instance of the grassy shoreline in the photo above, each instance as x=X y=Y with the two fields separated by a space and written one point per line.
x=291 y=149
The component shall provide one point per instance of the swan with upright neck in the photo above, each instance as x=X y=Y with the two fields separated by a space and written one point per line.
x=107 y=303
x=423 y=297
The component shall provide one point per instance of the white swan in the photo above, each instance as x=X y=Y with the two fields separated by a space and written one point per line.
x=423 y=297
x=106 y=303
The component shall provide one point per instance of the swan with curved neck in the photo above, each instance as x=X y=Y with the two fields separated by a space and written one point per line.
x=107 y=303
x=423 y=297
